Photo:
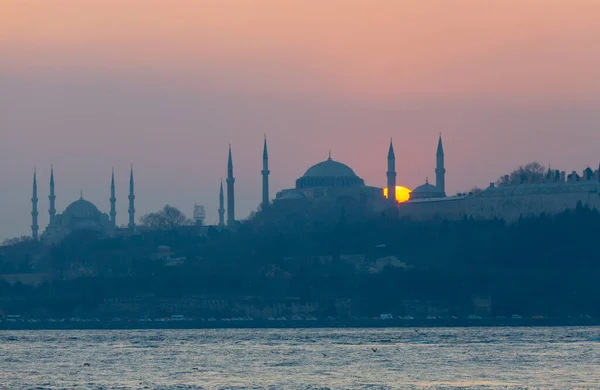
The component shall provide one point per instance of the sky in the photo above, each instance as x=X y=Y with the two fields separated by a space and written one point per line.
x=88 y=85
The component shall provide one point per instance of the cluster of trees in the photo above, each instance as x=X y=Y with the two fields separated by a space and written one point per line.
x=548 y=264
x=533 y=172
x=167 y=218
x=17 y=241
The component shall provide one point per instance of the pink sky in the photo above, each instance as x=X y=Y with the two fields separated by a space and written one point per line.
x=168 y=84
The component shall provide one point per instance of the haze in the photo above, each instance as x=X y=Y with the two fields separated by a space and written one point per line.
x=88 y=85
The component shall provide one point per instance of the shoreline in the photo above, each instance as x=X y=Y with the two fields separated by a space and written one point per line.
x=265 y=324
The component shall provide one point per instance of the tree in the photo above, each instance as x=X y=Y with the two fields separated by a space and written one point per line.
x=166 y=219
x=17 y=240
x=153 y=221
x=174 y=217
x=533 y=172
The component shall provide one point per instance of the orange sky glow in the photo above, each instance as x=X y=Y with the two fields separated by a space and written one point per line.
x=88 y=84
x=358 y=49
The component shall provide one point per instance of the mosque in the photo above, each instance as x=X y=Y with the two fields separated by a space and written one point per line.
x=330 y=185
x=325 y=187
x=79 y=215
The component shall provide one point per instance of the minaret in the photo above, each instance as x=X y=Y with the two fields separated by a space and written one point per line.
x=131 y=209
x=113 y=200
x=391 y=176
x=230 y=191
x=52 y=196
x=265 y=177
x=34 y=209
x=440 y=171
x=221 y=206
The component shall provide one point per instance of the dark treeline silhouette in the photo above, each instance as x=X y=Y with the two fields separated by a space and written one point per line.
x=167 y=218
x=533 y=172
x=548 y=265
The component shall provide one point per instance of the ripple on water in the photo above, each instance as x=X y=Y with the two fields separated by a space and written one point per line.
x=440 y=358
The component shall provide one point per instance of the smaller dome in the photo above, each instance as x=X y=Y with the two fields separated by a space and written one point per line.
x=426 y=191
x=426 y=188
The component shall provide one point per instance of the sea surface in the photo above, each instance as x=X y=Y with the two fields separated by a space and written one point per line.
x=390 y=358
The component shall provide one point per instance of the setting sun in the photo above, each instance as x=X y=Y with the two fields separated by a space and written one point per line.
x=402 y=193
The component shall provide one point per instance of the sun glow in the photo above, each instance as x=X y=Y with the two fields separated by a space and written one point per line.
x=402 y=193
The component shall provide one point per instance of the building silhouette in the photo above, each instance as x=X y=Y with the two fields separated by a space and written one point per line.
x=131 y=209
x=221 y=207
x=34 y=209
x=230 y=191
x=80 y=214
x=429 y=191
x=391 y=174
x=265 y=178
x=330 y=189
x=552 y=194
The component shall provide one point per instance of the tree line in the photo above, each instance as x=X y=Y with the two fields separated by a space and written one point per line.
x=547 y=265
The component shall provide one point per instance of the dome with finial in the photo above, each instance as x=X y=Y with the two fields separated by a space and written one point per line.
x=329 y=173
x=329 y=168
x=426 y=191
x=81 y=209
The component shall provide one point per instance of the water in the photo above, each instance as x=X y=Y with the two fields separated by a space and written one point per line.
x=436 y=358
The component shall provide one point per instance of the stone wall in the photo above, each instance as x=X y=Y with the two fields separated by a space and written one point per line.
x=526 y=201
x=452 y=208
x=508 y=203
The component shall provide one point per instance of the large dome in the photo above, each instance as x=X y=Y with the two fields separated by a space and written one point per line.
x=329 y=173
x=329 y=168
x=81 y=208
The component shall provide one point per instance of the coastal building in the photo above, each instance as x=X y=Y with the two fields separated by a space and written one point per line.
x=557 y=192
x=429 y=191
x=331 y=189
x=330 y=186
x=230 y=191
x=332 y=183
x=80 y=214
x=265 y=178
x=221 y=207
x=326 y=186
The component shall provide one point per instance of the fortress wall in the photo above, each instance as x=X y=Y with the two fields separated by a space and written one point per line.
x=508 y=204
x=512 y=206
x=446 y=208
